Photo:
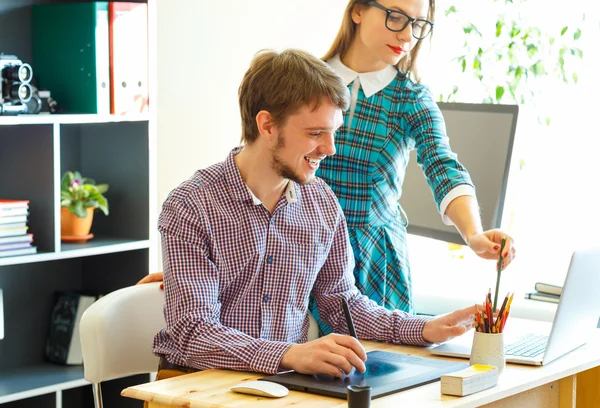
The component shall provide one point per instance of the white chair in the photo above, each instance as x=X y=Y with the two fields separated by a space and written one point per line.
x=117 y=333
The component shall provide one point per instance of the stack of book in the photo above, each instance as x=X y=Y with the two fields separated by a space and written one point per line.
x=476 y=378
x=14 y=239
x=545 y=292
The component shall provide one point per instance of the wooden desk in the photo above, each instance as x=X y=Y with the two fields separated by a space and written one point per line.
x=572 y=380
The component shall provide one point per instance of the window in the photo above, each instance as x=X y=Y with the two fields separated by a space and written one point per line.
x=551 y=206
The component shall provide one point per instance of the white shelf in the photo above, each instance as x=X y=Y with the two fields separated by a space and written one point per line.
x=42 y=119
x=98 y=246
x=31 y=381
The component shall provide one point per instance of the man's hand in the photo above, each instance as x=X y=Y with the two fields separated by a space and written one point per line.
x=153 y=277
x=331 y=355
x=487 y=246
x=450 y=325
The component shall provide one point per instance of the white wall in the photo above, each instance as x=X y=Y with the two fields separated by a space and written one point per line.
x=204 y=48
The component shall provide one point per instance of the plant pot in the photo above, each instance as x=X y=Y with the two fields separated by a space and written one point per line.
x=73 y=228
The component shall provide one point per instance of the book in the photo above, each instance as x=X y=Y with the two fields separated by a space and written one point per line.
x=1 y=316
x=548 y=288
x=128 y=38
x=13 y=245
x=13 y=225
x=17 y=238
x=63 y=344
x=475 y=378
x=16 y=252
x=12 y=211
x=12 y=219
x=545 y=297
x=5 y=204
x=77 y=71
x=11 y=232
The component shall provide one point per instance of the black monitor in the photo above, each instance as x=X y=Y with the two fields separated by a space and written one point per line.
x=482 y=135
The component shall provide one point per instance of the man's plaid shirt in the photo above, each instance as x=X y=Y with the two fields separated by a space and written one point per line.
x=238 y=278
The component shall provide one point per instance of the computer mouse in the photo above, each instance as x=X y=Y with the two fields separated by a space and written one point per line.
x=261 y=388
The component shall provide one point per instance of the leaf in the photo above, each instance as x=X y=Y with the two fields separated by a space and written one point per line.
x=451 y=10
x=464 y=64
x=102 y=188
x=577 y=34
x=103 y=205
x=575 y=77
x=532 y=49
x=499 y=92
x=499 y=25
x=564 y=30
x=79 y=210
x=538 y=68
x=547 y=121
x=469 y=28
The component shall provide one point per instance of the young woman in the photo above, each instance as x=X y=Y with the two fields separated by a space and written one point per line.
x=391 y=114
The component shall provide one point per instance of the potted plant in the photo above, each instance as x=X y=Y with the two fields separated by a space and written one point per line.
x=79 y=197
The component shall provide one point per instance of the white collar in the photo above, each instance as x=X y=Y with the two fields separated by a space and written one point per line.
x=290 y=194
x=371 y=82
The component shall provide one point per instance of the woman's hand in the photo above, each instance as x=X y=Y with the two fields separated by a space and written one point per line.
x=487 y=245
x=153 y=277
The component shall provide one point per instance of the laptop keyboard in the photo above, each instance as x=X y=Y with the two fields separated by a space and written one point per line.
x=530 y=345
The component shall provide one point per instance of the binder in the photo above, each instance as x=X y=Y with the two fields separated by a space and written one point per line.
x=128 y=38
x=71 y=54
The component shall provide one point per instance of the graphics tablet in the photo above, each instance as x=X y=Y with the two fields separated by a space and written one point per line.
x=386 y=373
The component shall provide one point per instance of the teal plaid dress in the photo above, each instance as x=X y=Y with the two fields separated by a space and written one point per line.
x=367 y=173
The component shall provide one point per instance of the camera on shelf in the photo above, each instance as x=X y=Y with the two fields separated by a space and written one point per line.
x=17 y=94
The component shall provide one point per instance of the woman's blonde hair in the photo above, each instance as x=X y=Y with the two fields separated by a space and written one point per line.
x=347 y=31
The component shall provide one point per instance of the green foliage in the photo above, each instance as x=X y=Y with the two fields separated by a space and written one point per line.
x=78 y=193
x=511 y=60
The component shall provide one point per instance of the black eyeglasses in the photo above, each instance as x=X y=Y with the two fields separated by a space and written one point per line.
x=397 y=21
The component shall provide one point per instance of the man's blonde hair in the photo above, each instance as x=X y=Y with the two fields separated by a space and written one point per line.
x=283 y=82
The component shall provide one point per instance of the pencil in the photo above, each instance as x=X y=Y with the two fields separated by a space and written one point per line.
x=488 y=309
x=506 y=311
x=500 y=262
x=499 y=318
x=348 y=317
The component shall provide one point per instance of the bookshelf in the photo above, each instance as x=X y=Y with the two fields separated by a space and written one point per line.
x=35 y=150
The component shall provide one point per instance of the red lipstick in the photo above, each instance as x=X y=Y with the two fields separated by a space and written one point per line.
x=397 y=50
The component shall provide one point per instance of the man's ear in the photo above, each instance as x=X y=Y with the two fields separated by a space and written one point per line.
x=264 y=123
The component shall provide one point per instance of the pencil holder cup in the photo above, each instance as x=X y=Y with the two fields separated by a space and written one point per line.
x=488 y=349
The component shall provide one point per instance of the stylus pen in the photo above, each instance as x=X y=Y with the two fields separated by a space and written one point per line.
x=348 y=318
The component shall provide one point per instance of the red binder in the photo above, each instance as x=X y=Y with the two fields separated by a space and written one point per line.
x=128 y=39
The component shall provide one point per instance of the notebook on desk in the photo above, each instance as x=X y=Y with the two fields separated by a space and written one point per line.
x=575 y=320
x=386 y=373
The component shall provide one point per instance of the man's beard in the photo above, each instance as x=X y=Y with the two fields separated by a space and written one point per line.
x=281 y=168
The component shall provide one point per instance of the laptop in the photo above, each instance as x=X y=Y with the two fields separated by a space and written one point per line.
x=386 y=373
x=575 y=320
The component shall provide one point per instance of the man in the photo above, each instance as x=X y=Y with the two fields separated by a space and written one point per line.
x=247 y=241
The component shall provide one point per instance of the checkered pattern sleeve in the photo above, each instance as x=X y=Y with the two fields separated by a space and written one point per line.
x=371 y=321
x=440 y=164
x=193 y=306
